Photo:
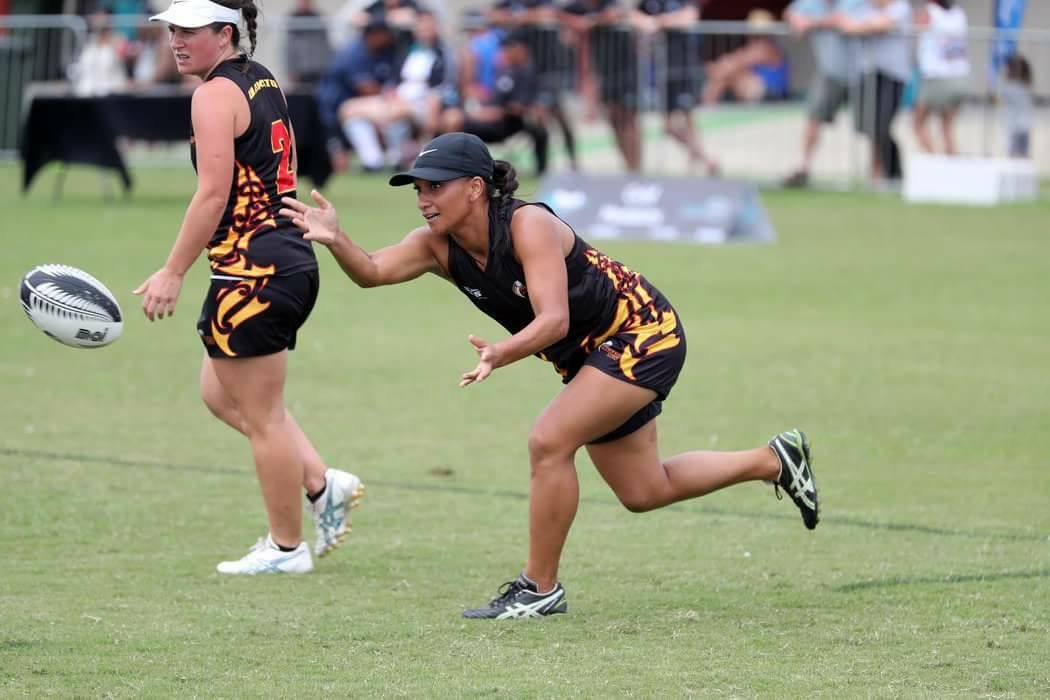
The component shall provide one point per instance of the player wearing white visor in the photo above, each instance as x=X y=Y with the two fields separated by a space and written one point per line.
x=264 y=278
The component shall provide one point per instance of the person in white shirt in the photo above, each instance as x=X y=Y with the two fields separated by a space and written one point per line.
x=99 y=70
x=944 y=67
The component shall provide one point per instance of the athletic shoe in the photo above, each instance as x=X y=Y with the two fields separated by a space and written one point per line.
x=519 y=598
x=343 y=491
x=796 y=473
x=267 y=558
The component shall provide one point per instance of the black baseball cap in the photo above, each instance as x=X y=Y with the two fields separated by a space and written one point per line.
x=448 y=157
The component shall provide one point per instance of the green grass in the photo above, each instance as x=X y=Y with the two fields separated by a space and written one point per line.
x=911 y=343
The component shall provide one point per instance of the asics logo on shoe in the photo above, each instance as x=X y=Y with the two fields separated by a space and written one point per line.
x=800 y=485
x=534 y=609
x=331 y=518
x=262 y=566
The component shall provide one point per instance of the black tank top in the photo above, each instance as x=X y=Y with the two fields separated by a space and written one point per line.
x=605 y=297
x=253 y=240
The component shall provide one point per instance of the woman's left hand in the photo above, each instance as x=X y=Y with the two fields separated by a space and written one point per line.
x=489 y=360
x=160 y=293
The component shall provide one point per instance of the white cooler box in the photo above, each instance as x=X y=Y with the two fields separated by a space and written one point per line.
x=967 y=180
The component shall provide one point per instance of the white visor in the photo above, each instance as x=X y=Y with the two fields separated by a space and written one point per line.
x=192 y=14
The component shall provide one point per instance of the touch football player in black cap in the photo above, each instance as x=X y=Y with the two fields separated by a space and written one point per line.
x=612 y=336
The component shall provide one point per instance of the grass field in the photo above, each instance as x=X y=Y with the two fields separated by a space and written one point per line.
x=910 y=342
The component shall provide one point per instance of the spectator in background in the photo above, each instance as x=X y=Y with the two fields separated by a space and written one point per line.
x=745 y=70
x=837 y=70
x=675 y=19
x=478 y=60
x=99 y=70
x=609 y=70
x=538 y=21
x=511 y=108
x=154 y=62
x=944 y=68
x=1015 y=92
x=886 y=67
x=414 y=105
x=363 y=69
x=125 y=15
x=355 y=15
x=307 y=51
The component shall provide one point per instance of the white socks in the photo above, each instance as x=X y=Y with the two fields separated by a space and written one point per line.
x=363 y=137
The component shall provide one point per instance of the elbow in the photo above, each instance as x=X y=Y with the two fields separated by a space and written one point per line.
x=559 y=326
x=213 y=198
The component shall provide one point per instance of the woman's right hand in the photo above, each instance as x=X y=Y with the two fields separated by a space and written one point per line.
x=320 y=223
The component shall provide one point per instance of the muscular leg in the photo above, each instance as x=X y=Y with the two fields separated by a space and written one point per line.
x=222 y=407
x=642 y=481
x=592 y=405
x=256 y=387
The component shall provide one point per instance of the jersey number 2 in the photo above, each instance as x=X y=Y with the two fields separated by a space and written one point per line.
x=281 y=142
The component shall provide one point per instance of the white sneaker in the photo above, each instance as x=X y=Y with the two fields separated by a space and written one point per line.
x=343 y=492
x=266 y=558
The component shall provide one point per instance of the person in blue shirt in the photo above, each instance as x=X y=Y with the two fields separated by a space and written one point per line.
x=362 y=69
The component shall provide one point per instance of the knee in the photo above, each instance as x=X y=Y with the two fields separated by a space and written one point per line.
x=216 y=402
x=546 y=449
x=639 y=502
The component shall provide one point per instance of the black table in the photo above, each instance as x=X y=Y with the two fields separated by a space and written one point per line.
x=85 y=130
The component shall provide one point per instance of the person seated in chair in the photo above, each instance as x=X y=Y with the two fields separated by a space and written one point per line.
x=754 y=71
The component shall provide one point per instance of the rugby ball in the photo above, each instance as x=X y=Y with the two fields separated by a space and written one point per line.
x=71 y=306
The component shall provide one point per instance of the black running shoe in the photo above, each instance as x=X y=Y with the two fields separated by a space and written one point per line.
x=519 y=598
x=796 y=474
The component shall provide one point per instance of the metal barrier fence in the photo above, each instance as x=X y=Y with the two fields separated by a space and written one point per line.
x=33 y=49
x=612 y=83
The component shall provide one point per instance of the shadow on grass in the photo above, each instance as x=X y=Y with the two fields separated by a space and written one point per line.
x=692 y=507
x=935 y=580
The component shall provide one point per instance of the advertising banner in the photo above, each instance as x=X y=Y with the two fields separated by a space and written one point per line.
x=633 y=207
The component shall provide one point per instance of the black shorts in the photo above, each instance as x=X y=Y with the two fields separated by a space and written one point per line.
x=681 y=95
x=650 y=355
x=248 y=317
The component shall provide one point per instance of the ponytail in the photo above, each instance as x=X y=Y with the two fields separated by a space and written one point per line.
x=501 y=203
x=250 y=13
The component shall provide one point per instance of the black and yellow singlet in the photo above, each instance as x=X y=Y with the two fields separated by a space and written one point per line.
x=606 y=298
x=252 y=239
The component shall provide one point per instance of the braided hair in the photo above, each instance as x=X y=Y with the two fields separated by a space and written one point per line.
x=501 y=191
x=250 y=13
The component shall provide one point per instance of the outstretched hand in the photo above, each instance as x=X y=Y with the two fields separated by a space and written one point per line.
x=160 y=293
x=489 y=360
x=320 y=223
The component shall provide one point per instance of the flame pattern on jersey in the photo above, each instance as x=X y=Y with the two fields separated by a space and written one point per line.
x=651 y=327
x=251 y=215
x=236 y=304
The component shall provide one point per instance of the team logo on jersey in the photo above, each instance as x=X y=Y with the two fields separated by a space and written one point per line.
x=609 y=348
x=476 y=293
x=519 y=289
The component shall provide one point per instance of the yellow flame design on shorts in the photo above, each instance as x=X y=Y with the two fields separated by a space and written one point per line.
x=237 y=304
